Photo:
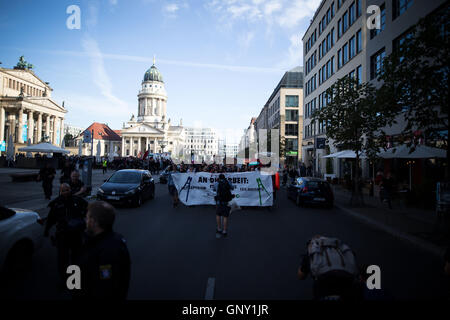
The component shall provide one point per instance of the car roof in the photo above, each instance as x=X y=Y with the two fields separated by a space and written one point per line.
x=312 y=179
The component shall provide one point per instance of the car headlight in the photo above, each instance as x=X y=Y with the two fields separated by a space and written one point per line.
x=100 y=190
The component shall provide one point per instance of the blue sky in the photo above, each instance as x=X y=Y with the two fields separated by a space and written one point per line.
x=220 y=60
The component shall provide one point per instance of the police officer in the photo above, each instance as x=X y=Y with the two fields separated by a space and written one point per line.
x=105 y=165
x=105 y=262
x=67 y=212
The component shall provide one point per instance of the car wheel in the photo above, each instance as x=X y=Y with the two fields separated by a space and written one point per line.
x=20 y=257
x=298 y=201
x=152 y=195
x=138 y=202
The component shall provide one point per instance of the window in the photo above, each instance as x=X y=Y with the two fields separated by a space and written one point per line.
x=291 y=145
x=339 y=28
x=376 y=63
x=352 y=14
x=332 y=37
x=352 y=74
x=345 y=54
x=320 y=27
x=324 y=48
x=398 y=42
x=344 y=22
x=358 y=8
x=358 y=41
x=359 y=74
x=339 y=58
x=399 y=7
x=352 y=47
x=332 y=65
x=291 y=115
x=291 y=101
x=328 y=41
x=332 y=9
x=320 y=51
x=291 y=130
x=375 y=32
x=328 y=16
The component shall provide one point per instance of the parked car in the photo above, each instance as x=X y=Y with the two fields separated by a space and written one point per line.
x=21 y=233
x=307 y=190
x=128 y=186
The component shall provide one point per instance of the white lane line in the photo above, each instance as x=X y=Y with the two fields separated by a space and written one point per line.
x=209 y=295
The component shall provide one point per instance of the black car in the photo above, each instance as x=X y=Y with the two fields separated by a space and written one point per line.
x=128 y=186
x=308 y=190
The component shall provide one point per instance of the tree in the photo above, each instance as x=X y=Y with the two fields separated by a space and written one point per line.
x=68 y=139
x=354 y=119
x=415 y=79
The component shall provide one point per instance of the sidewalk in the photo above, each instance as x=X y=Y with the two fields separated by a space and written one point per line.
x=410 y=224
x=29 y=195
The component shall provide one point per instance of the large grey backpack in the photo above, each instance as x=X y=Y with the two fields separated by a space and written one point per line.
x=330 y=254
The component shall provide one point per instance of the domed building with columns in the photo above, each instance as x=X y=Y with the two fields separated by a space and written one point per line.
x=27 y=110
x=150 y=129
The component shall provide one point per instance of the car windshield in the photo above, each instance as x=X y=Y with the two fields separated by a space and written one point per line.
x=125 y=177
x=317 y=185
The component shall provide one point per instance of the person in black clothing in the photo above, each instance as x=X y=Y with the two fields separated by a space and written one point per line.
x=447 y=270
x=46 y=175
x=66 y=171
x=387 y=186
x=105 y=262
x=76 y=185
x=67 y=212
x=223 y=195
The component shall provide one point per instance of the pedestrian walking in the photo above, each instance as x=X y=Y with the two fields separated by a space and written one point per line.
x=387 y=185
x=223 y=195
x=77 y=186
x=67 y=212
x=46 y=175
x=105 y=165
x=105 y=260
x=172 y=188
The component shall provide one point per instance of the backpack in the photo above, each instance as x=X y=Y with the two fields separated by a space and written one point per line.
x=224 y=191
x=330 y=254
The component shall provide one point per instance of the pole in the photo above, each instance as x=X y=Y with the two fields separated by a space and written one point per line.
x=410 y=164
x=92 y=143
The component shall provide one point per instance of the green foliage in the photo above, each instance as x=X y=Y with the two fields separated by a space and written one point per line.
x=353 y=117
x=415 y=78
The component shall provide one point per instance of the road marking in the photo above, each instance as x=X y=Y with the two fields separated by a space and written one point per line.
x=209 y=295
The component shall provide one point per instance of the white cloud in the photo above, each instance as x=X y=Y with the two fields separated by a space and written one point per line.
x=113 y=2
x=245 y=39
x=99 y=74
x=294 y=55
x=286 y=13
x=171 y=8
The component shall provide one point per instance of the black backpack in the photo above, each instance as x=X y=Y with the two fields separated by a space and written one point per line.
x=224 y=191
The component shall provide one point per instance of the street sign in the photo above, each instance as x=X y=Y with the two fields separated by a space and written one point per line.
x=87 y=137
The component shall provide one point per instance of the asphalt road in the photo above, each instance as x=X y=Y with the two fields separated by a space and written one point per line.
x=175 y=251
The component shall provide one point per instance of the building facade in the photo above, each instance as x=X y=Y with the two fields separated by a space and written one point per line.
x=283 y=111
x=339 y=43
x=200 y=144
x=151 y=130
x=106 y=142
x=27 y=110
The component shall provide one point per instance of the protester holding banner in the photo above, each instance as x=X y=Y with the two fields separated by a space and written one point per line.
x=223 y=195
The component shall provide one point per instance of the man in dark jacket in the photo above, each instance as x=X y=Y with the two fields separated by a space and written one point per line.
x=67 y=212
x=223 y=195
x=46 y=175
x=105 y=262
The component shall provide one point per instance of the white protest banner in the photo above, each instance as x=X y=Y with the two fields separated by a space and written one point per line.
x=251 y=188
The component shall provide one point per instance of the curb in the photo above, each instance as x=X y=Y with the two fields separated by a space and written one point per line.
x=431 y=248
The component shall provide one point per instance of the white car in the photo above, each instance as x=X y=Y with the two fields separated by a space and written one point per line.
x=21 y=233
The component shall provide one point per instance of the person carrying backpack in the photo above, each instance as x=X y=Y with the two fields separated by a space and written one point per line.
x=223 y=195
x=333 y=267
